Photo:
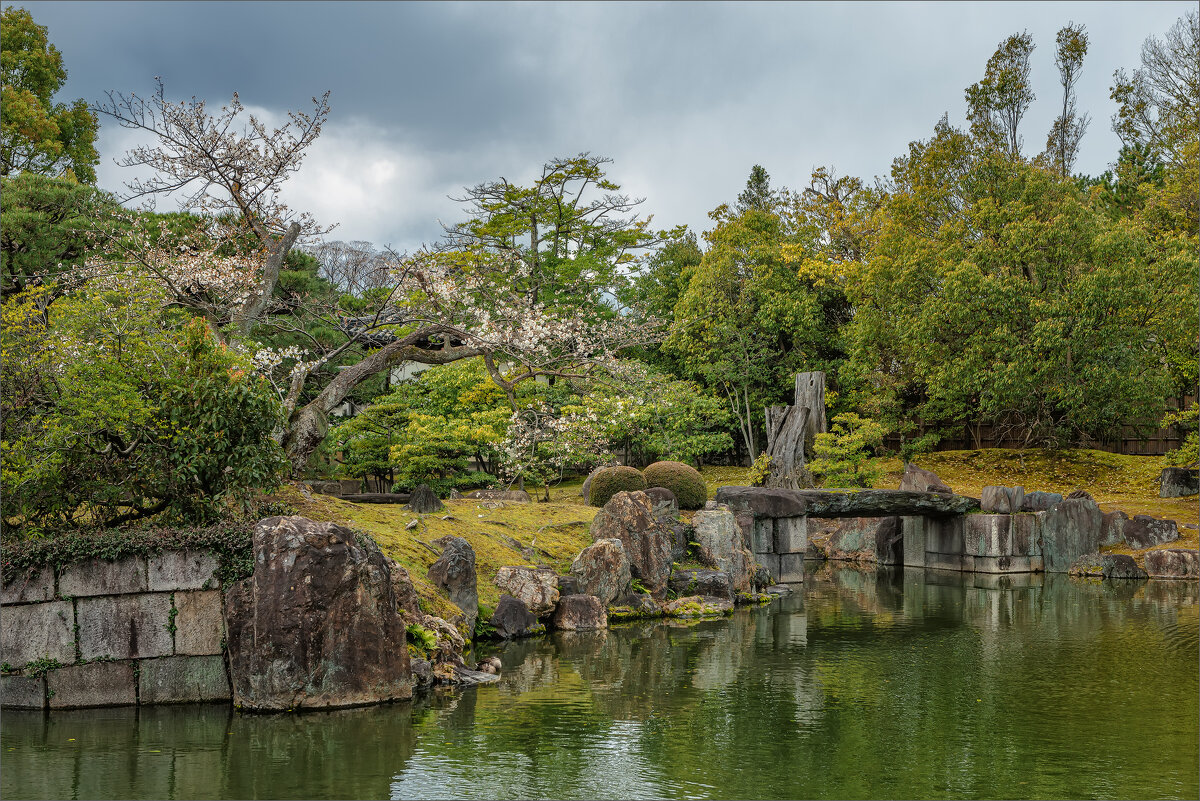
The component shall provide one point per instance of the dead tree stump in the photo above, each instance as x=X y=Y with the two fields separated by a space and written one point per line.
x=791 y=431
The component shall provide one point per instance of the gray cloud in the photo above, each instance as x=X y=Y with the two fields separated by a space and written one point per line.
x=429 y=97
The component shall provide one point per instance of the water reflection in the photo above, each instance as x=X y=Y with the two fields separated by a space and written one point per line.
x=895 y=683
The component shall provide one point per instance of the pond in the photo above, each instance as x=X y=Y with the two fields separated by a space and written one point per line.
x=864 y=684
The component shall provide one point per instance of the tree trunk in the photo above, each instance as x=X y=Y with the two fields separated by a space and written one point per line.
x=310 y=424
x=791 y=431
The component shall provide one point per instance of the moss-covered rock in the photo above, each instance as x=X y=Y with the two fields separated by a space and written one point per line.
x=611 y=480
x=685 y=481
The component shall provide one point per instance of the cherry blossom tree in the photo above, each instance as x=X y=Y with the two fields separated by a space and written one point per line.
x=528 y=311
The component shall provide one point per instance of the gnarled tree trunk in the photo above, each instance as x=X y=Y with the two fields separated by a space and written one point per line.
x=791 y=431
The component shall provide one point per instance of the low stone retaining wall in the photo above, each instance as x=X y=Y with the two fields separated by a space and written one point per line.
x=137 y=630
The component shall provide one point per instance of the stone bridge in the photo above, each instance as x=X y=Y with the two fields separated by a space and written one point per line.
x=914 y=529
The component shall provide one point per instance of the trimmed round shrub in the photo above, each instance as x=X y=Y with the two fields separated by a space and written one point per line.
x=611 y=480
x=683 y=480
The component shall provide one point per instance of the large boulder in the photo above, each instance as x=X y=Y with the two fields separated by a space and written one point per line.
x=316 y=625
x=1179 y=563
x=1144 y=531
x=1112 y=527
x=916 y=479
x=424 y=501
x=602 y=569
x=536 y=587
x=1178 y=482
x=717 y=583
x=762 y=501
x=407 y=600
x=629 y=517
x=664 y=502
x=1001 y=500
x=1107 y=565
x=1069 y=530
x=579 y=613
x=721 y=545
x=513 y=619
x=1039 y=501
x=454 y=573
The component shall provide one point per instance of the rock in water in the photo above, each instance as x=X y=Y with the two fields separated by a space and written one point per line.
x=721 y=546
x=1070 y=530
x=579 y=613
x=537 y=588
x=602 y=569
x=716 y=583
x=1179 y=563
x=916 y=479
x=316 y=625
x=629 y=517
x=454 y=572
x=513 y=619
x=423 y=501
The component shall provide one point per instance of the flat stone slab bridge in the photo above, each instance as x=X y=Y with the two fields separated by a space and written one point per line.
x=914 y=529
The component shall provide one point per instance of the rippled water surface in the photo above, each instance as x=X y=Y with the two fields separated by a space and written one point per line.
x=862 y=685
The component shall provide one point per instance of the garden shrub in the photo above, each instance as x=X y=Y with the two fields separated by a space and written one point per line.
x=683 y=480
x=611 y=480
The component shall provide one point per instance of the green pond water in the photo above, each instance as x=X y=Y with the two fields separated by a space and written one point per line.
x=861 y=685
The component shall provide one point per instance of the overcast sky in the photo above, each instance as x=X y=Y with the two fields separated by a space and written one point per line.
x=684 y=97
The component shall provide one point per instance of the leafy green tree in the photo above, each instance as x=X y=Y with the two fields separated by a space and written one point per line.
x=1062 y=144
x=758 y=193
x=997 y=104
x=999 y=293
x=843 y=453
x=116 y=410
x=37 y=134
x=748 y=322
x=51 y=226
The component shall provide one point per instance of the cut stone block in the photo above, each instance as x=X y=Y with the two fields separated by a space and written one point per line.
x=125 y=626
x=771 y=562
x=1001 y=564
x=763 y=540
x=1026 y=536
x=182 y=679
x=791 y=535
x=23 y=692
x=103 y=577
x=183 y=570
x=29 y=589
x=944 y=561
x=97 y=684
x=37 y=631
x=988 y=535
x=944 y=536
x=199 y=622
x=913 y=532
x=791 y=568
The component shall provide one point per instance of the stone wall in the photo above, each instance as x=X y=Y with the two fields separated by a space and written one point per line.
x=137 y=630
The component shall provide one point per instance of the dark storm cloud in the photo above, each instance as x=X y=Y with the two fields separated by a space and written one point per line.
x=685 y=97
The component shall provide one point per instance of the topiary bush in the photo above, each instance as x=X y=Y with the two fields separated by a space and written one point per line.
x=683 y=480
x=611 y=480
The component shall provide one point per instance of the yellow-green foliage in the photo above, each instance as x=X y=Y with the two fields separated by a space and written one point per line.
x=683 y=480
x=611 y=480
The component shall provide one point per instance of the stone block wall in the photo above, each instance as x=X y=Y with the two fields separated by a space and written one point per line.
x=778 y=544
x=137 y=630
